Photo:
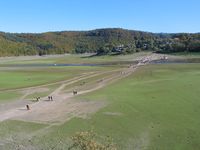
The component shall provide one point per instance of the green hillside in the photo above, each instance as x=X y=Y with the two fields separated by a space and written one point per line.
x=102 y=41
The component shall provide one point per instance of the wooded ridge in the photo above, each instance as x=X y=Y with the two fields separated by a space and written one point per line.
x=100 y=41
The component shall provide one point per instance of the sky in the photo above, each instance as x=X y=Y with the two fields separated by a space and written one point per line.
x=35 y=16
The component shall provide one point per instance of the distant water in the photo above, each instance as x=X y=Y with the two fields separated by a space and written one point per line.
x=176 y=61
x=68 y=65
x=169 y=61
x=52 y=65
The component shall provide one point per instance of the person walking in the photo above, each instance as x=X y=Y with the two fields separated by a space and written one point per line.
x=27 y=107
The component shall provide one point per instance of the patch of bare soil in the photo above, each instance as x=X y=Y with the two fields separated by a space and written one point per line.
x=113 y=113
x=27 y=58
x=60 y=112
x=139 y=143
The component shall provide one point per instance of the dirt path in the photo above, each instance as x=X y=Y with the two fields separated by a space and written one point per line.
x=64 y=107
x=12 y=110
x=47 y=84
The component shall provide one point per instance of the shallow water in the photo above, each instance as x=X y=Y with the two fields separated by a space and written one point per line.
x=175 y=61
x=169 y=61
x=70 y=65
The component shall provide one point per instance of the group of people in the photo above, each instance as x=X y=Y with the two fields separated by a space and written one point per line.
x=50 y=98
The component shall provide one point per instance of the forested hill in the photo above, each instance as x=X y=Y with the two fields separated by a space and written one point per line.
x=102 y=41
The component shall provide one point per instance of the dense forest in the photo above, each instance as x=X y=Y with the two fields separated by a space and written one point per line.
x=100 y=41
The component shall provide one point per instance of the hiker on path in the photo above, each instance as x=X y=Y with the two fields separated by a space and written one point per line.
x=27 y=107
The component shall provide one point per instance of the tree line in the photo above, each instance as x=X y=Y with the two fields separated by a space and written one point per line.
x=100 y=41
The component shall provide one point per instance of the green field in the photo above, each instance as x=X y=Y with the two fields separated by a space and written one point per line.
x=157 y=107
